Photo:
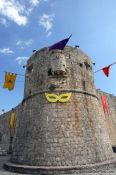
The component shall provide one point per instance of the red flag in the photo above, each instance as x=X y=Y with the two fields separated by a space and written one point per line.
x=106 y=70
x=104 y=103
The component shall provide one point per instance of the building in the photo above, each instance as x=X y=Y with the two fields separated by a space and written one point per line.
x=60 y=124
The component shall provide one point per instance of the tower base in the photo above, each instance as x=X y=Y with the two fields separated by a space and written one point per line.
x=102 y=167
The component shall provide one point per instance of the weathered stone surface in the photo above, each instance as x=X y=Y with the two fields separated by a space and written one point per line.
x=110 y=118
x=60 y=134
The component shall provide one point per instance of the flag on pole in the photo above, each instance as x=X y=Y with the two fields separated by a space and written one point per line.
x=104 y=104
x=106 y=70
x=12 y=120
x=60 y=45
x=9 y=81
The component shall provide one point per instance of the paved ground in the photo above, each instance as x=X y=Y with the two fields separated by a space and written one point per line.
x=4 y=159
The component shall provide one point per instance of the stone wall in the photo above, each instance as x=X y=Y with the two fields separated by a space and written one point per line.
x=110 y=118
x=60 y=134
x=57 y=139
x=5 y=132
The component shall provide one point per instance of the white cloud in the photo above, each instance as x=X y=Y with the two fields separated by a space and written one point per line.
x=18 y=11
x=34 y=2
x=3 y=21
x=21 y=60
x=49 y=34
x=24 y=44
x=14 y=11
x=6 y=51
x=29 y=10
x=46 y=21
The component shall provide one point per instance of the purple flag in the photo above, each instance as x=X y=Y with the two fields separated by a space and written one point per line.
x=60 y=45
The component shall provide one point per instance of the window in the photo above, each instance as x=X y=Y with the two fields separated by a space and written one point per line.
x=88 y=67
x=30 y=68
x=80 y=64
x=49 y=71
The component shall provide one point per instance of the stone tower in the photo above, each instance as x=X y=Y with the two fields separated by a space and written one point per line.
x=64 y=129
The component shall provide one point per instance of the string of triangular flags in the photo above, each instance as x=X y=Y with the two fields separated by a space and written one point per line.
x=10 y=78
x=106 y=69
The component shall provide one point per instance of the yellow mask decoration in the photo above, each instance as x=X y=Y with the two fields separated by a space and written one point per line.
x=61 y=98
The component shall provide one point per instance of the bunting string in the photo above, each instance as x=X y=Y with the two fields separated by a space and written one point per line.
x=1 y=82
x=105 y=67
x=13 y=73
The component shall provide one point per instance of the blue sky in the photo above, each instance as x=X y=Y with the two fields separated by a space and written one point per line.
x=33 y=24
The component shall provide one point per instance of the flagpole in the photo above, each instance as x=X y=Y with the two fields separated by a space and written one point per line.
x=20 y=74
x=16 y=74
x=70 y=36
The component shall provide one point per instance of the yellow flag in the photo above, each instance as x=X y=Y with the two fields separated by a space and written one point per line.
x=12 y=120
x=9 y=80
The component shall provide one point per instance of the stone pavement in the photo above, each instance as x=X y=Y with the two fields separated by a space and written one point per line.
x=4 y=159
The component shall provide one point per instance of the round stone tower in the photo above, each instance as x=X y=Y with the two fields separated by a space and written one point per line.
x=60 y=124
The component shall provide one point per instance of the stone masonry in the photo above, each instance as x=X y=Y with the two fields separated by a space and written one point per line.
x=110 y=118
x=61 y=134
